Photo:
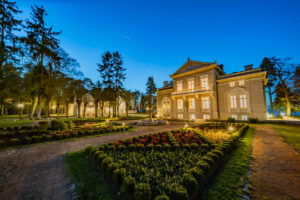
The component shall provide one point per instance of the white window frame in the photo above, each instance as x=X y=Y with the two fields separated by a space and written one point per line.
x=206 y=116
x=205 y=103
x=243 y=101
x=191 y=85
x=192 y=104
x=232 y=83
x=244 y=117
x=204 y=82
x=233 y=101
x=179 y=86
x=241 y=82
x=179 y=103
x=180 y=116
x=234 y=116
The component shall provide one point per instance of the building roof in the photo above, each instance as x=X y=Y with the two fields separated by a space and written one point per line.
x=191 y=65
x=165 y=88
x=242 y=73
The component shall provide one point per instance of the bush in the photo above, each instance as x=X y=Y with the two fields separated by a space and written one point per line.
x=27 y=140
x=2 y=143
x=69 y=124
x=162 y=197
x=194 y=146
x=14 y=141
x=177 y=192
x=253 y=120
x=158 y=147
x=59 y=125
x=43 y=125
x=100 y=158
x=105 y=162
x=149 y=147
x=209 y=160
x=121 y=147
x=203 y=165
x=140 y=147
x=110 y=168
x=128 y=185
x=132 y=147
x=198 y=174
x=231 y=120
x=119 y=175
x=74 y=134
x=36 y=139
x=88 y=149
x=190 y=183
x=187 y=146
x=142 y=191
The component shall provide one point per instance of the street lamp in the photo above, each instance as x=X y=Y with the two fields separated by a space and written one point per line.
x=20 y=107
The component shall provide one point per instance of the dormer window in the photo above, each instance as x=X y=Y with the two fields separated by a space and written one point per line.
x=241 y=82
x=231 y=83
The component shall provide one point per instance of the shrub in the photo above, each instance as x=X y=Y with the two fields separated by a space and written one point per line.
x=111 y=148
x=149 y=147
x=190 y=183
x=88 y=149
x=140 y=147
x=121 y=147
x=132 y=147
x=105 y=162
x=43 y=125
x=128 y=185
x=100 y=158
x=209 y=160
x=36 y=139
x=142 y=191
x=158 y=147
x=69 y=124
x=110 y=168
x=231 y=120
x=198 y=174
x=59 y=125
x=253 y=120
x=2 y=143
x=14 y=141
x=74 y=134
x=187 y=146
x=203 y=165
x=177 y=192
x=119 y=175
x=162 y=197
x=67 y=135
x=27 y=140
x=194 y=146
x=92 y=151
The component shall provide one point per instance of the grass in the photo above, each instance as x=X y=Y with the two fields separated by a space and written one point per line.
x=89 y=184
x=289 y=133
x=229 y=183
x=14 y=122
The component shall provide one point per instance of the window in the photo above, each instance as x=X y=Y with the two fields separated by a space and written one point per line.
x=180 y=116
x=244 y=117
x=204 y=83
x=179 y=86
x=232 y=84
x=243 y=101
x=241 y=82
x=205 y=102
x=192 y=103
x=233 y=101
x=206 y=116
x=180 y=104
x=234 y=116
x=193 y=116
x=191 y=85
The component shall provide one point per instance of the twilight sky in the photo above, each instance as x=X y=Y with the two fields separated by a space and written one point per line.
x=156 y=37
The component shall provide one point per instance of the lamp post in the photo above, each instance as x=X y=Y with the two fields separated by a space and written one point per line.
x=20 y=107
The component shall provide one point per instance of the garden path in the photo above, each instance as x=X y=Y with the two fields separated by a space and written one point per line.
x=38 y=172
x=275 y=170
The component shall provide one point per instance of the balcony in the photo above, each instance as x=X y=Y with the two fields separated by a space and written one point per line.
x=193 y=91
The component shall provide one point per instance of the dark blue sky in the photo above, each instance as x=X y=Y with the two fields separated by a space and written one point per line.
x=156 y=37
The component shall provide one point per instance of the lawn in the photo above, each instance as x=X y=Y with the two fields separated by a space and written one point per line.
x=14 y=122
x=290 y=134
x=90 y=185
x=229 y=183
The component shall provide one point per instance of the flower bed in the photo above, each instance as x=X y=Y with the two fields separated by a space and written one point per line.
x=177 y=166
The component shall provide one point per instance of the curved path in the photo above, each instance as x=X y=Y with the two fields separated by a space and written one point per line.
x=275 y=171
x=38 y=172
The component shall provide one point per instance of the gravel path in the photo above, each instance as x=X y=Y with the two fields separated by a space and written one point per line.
x=38 y=172
x=275 y=173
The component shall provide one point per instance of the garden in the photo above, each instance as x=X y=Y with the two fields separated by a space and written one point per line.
x=167 y=165
x=59 y=129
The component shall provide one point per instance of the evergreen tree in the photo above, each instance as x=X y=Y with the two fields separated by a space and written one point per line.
x=151 y=91
x=136 y=96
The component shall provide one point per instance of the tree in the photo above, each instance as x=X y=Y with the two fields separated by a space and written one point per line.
x=283 y=71
x=80 y=91
x=151 y=90
x=127 y=97
x=136 y=96
x=267 y=66
x=43 y=44
x=98 y=97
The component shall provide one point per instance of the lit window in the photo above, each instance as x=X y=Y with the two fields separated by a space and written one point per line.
x=244 y=117
x=206 y=116
x=180 y=104
x=241 y=82
x=204 y=83
x=205 y=102
x=243 y=101
x=193 y=116
x=232 y=84
x=191 y=85
x=179 y=86
x=192 y=103
x=234 y=116
x=180 y=116
x=233 y=101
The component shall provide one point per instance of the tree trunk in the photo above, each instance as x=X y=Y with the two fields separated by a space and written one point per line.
x=126 y=111
x=33 y=107
x=2 y=109
x=78 y=109
x=84 y=109
x=109 y=109
x=39 y=108
x=96 y=109
x=67 y=110
x=150 y=112
x=288 y=104
x=101 y=107
x=271 y=101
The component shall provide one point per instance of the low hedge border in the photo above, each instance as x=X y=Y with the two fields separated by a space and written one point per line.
x=59 y=136
x=190 y=186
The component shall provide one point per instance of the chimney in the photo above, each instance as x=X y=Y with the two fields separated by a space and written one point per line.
x=188 y=59
x=221 y=66
x=166 y=83
x=248 y=67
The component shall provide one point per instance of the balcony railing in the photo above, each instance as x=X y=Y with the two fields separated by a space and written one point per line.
x=188 y=91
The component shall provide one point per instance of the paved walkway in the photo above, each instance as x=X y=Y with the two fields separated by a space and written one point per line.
x=38 y=172
x=275 y=173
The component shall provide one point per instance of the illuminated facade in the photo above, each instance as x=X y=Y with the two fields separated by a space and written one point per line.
x=202 y=90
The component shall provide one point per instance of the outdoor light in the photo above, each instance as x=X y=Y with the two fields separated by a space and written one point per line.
x=123 y=124
x=20 y=105
x=107 y=120
x=53 y=107
x=231 y=128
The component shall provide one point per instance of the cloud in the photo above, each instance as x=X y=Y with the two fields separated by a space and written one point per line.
x=125 y=36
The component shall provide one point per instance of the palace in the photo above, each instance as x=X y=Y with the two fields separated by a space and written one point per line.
x=202 y=90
